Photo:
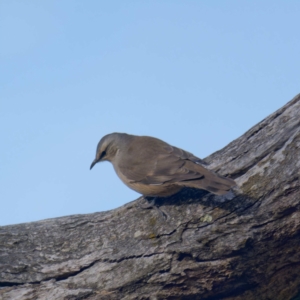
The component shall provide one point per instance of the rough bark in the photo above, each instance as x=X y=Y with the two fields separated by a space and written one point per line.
x=245 y=245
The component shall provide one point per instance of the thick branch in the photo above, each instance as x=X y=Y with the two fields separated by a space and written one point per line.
x=245 y=245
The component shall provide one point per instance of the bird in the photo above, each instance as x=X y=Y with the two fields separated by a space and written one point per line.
x=154 y=168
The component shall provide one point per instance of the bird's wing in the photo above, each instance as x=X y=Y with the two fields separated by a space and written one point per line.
x=186 y=155
x=162 y=164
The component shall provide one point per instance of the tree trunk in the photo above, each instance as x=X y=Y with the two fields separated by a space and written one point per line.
x=194 y=245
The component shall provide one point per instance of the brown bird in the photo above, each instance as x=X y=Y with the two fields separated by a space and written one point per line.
x=154 y=168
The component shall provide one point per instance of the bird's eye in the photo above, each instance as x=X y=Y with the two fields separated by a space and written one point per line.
x=102 y=154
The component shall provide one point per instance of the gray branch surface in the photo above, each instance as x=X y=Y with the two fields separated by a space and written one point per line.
x=194 y=245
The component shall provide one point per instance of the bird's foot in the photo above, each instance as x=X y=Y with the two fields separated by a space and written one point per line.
x=151 y=205
x=150 y=202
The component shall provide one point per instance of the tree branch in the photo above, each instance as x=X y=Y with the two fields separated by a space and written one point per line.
x=244 y=245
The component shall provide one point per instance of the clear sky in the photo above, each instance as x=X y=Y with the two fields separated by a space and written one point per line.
x=196 y=74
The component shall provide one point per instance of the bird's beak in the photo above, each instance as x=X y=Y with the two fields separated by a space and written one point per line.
x=93 y=163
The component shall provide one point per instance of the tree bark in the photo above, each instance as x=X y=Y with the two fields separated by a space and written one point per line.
x=194 y=245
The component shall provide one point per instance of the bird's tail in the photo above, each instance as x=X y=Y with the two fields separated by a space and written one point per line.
x=217 y=185
x=211 y=182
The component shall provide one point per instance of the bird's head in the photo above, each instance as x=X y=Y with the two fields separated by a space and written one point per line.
x=106 y=148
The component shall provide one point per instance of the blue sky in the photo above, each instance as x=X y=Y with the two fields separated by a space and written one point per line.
x=196 y=74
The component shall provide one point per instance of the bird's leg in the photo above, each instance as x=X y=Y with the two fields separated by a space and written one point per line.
x=150 y=202
x=151 y=205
